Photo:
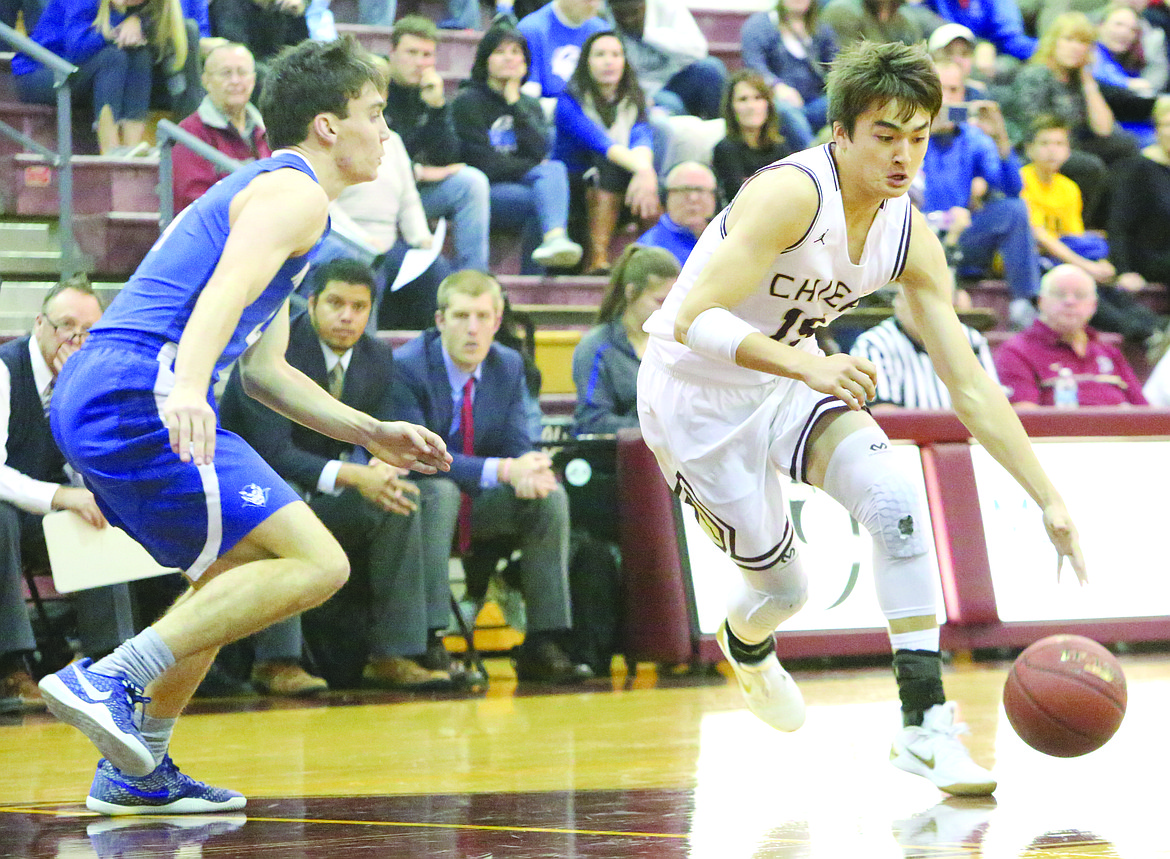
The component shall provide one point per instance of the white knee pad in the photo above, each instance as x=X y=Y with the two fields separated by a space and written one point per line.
x=763 y=599
x=863 y=478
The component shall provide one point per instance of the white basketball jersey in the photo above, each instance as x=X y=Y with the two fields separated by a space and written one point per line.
x=807 y=285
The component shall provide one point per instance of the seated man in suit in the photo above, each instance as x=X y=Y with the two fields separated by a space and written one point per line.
x=33 y=481
x=364 y=503
x=455 y=380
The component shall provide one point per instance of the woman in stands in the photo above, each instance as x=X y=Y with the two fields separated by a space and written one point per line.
x=503 y=133
x=606 y=361
x=1058 y=80
x=114 y=44
x=792 y=49
x=753 y=138
x=1139 y=222
x=604 y=140
x=1121 y=68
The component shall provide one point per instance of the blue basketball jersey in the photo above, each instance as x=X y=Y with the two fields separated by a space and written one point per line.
x=159 y=298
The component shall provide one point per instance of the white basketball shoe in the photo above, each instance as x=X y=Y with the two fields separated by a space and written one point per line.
x=935 y=752
x=771 y=693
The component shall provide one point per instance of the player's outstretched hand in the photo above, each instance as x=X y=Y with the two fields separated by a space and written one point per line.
x=409 y=446
x=1063 y=534
x=191 y=426
x=850 y=379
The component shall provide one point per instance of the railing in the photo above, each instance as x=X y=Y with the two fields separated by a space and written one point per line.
x=72 y=260
x=167 y=135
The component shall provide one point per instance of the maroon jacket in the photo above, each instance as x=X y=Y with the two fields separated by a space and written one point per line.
x=194 y=174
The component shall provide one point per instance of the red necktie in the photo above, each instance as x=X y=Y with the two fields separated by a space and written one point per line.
x=467 y=424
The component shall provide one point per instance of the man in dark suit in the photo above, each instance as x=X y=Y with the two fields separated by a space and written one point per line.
x=453 y=376
x=365 y=503
x=33 y=481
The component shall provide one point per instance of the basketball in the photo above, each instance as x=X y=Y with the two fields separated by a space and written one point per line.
x=1065 y=695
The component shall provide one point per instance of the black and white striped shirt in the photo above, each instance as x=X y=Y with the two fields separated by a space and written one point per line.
x=906 y=376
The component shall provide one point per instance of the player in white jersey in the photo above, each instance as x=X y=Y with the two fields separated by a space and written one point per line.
x=733 y=388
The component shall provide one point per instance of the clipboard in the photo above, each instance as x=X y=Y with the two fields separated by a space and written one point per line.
x=83 y=557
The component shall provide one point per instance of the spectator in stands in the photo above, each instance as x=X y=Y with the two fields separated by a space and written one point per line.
x=753 y=138
x=1062 y=346
x=455 y=380
x=226 y=119
x=417 y=109
x=1054 y=202
x=971 y=192
x=180 y=90
x=1139 y=223
x=998 y=22
x=503 y=133
x=872 y=20
x=792 y=48
x=114 y=45
x=669 y=52
x=1120 y=67
x=377 y=223
x=691 y=195
x=1152 y=17
x=602 y=131
x=555 y=34
x=1054 y=205
x=265 y=26
x=1058 y=80
x=364 y=503
x=33 y=481
x=955 y=43
x=905 y=373
x=606 y=361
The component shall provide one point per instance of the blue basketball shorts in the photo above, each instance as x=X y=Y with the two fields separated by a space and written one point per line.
x=106 y=418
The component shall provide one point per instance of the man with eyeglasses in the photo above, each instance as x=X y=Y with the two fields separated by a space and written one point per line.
x=690 y=205
x=33 y=481
x=226 y=119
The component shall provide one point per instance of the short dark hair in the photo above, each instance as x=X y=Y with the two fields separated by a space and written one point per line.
x=343 y=270
x=78 y=283
x=1046 y=122
x=873 y=74
x=310 y=79
x=413 y=25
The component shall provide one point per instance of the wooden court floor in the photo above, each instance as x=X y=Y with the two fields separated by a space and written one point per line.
x=640 y=766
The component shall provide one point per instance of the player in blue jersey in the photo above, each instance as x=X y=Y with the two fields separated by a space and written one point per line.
x=136 y=417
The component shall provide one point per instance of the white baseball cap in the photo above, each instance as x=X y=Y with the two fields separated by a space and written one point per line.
x=946 y=34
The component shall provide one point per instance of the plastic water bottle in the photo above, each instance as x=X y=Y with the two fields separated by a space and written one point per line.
x=1064 y=390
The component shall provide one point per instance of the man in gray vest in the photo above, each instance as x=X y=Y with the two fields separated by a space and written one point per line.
x=33 y=481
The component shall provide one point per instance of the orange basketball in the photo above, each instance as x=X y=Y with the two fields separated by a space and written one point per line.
x=1065 y=695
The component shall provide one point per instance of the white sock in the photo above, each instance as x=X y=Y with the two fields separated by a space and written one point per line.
x=921 y=639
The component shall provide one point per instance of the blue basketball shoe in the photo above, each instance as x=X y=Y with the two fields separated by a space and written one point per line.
x=164 y=791
x=102 y=708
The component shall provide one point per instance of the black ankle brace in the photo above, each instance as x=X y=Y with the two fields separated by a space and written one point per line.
x=919 y=676
x=749 y=653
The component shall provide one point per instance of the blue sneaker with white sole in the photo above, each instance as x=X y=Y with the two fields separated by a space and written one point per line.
x=102 y=708
x=164 y=791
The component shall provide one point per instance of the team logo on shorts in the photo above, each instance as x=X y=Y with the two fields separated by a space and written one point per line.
x=722 y=534
x=254 y=495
